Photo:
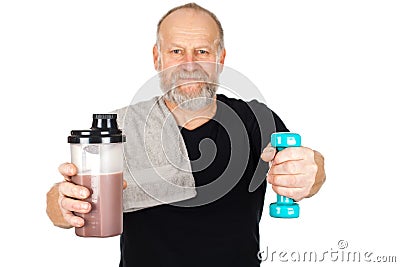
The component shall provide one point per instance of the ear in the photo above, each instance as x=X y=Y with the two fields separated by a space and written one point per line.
x=221 y=61
x=222 y=57
x=155 y=57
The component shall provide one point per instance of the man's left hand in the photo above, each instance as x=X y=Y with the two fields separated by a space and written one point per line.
x=292 y=171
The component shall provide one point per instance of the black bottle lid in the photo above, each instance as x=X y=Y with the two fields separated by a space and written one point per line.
x=104 y=130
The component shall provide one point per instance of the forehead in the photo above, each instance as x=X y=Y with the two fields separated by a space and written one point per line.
x=189 y=24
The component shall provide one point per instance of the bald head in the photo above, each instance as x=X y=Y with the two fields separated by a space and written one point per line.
x=189 y=10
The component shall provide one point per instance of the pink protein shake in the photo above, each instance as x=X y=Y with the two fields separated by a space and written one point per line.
x=98 y=155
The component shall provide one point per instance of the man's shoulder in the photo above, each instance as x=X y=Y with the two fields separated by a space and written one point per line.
x=254 y=112
x=244 y=106
x=139 y=110
x=138 y=105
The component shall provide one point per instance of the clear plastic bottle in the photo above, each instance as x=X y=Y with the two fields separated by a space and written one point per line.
x=98 y=155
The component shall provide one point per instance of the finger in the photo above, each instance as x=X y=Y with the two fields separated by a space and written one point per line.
x=125 y=184
x=288 y=180
x=67 y=170
x=73 y=220
x=74 y=205
x=289 y=167
x=68 y=215
x=294 y=153
x=68 y=206
x=268 y=153
x=296 y=194
x=74 y=191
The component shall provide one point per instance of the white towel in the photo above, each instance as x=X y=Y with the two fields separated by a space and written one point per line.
x=157 y=167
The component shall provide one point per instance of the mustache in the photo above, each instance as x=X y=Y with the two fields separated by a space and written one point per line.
x=195 y=75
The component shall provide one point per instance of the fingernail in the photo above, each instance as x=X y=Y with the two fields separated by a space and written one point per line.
x=85 y=206
x=268 y=150
x=77 y=222
x=69 y=169
x=83 y=193
x=268 y=153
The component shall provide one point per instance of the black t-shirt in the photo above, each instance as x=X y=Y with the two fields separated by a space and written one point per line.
x=225 y=230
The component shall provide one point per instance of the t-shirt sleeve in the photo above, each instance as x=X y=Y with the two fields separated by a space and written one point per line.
x=279 y=125
x=264 y=123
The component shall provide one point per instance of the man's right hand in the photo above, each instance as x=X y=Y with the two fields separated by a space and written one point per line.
x=65 y=198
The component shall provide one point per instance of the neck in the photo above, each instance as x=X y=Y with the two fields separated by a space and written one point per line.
x=191 y=119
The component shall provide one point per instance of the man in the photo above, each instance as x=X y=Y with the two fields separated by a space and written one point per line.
x=224 y=232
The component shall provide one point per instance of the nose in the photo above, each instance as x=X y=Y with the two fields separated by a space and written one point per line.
x=189 y=57
x=189 y=62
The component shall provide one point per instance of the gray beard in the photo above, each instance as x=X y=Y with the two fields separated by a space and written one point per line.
x=192 y=102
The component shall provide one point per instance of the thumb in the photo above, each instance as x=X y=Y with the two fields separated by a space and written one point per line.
x=268 y=153
x=67 y=170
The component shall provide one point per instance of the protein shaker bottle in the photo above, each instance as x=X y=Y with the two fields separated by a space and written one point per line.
x=98 y=155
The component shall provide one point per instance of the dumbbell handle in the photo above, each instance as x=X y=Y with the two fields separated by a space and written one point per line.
x=285 y=207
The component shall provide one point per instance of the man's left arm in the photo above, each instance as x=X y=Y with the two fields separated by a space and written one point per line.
x=295 y=172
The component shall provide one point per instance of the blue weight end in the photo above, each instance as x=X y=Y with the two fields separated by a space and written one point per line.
x=284 y=211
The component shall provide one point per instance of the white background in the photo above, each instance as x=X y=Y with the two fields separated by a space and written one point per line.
x=330 y=69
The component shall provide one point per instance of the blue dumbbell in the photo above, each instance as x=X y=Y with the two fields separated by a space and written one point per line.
x=284 y=207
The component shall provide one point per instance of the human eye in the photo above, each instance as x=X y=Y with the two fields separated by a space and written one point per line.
x=176 y=51
x=202 y=52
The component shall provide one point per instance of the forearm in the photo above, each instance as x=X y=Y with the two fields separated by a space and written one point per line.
x=53 y=209
x=320 y=177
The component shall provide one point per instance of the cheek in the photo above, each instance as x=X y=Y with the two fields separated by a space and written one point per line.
x=166 y=62
x=211 y=69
